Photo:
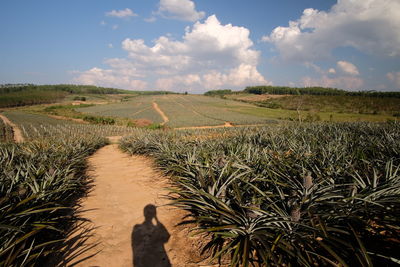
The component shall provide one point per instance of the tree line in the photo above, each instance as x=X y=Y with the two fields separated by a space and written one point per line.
x=285 y=90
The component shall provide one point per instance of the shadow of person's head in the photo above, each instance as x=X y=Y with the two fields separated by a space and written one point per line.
x=150 y=212
x=148 y=241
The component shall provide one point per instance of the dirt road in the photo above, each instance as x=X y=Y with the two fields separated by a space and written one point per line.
x=18 y=137
x=126 y=208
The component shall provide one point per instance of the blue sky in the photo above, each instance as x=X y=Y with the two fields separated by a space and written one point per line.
x=200 y=45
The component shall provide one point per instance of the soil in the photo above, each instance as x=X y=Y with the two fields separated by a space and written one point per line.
x=68 y=119
x=18 y=137
x=162 y=114
x=225 y=125
x=130 y=221
x=143 y=122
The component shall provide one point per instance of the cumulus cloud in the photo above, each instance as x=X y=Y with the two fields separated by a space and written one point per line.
x=180 y=9
x=371 y=26
x=347 y=68
x=109 y=78
x=332 y=71
x=395 y=78
x=123 y=13
x=209 y=56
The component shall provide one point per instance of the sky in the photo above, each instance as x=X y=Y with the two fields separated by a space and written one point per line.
x=200 y=45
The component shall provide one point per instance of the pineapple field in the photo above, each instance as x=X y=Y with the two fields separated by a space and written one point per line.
x=293 y=195
x=282 y=194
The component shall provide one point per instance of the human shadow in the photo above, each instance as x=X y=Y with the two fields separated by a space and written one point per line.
x=148 y=241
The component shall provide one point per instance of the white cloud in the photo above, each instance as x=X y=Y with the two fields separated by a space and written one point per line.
x=110 y=45
x=180 y=9
x=123 y=13
x=342 y=82
x=183 y=82
x=243 y=75
x=332 y=71
x=395 y=78
x=114 y=27
x=209 y=56
x=109 y=78
x=371 y=26
x=348 y=68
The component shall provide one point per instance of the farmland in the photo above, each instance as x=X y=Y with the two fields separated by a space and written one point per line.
x=182 y=110
x=326 y=104
x=287 y=195
x=195 y=110
x=285 y=192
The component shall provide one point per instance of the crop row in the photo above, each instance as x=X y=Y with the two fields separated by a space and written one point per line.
x=36 y=126
x=40 y=182
x=312 y=194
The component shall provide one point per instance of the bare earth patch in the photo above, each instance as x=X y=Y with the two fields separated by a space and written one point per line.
x=143 y=122
x=18 y=137
x=68 y=119
x=131 y=223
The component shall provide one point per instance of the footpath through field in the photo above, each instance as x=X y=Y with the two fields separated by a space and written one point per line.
x=126 y=209
x=162 y=114
x=18 y=137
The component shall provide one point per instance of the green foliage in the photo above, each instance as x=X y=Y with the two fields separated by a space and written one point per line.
x=295 y=195
x=99 y=120
x=12 y=95
x=218 y=92
x=80 y=98
x=155 y=126
x=344 y=104
x=36 y=126
x=138 y=108
x=182 y=110
x=53 y=109
x=30 y=97
x=40 y=182
x=285 y=90
x=69 y=88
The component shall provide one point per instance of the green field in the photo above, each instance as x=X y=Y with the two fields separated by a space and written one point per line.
x=182 y=110
x=283 y=193
x=37 y=126
x=196 y=110
x=362 y=106
x=315 y=194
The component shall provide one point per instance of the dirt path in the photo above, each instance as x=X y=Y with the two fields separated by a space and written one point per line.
x=18 y=137
x=126 y=187
x=67 y=119
x=226 y=125
x=162 y=114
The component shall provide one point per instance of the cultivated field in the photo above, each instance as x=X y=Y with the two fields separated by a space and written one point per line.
x=182 y=110
x=293 y=193
x=36 y=126
x=316 y=194
x=328 y=107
